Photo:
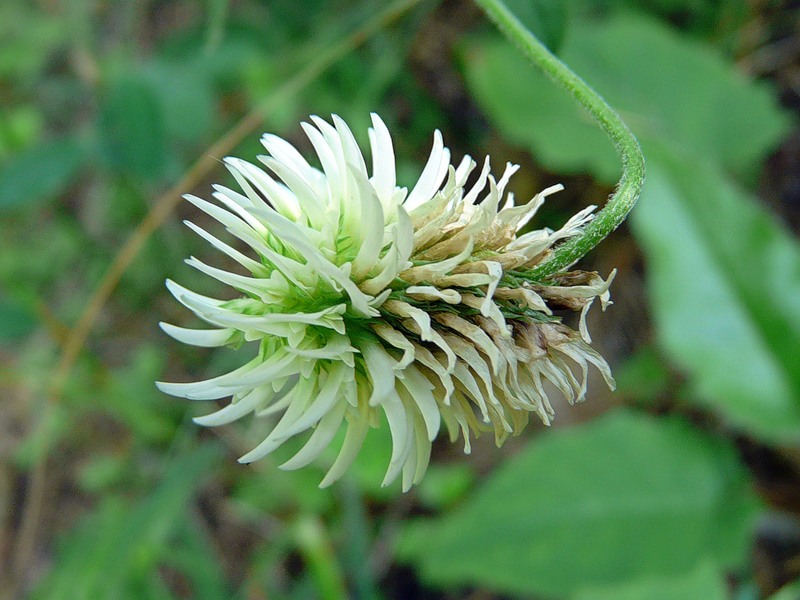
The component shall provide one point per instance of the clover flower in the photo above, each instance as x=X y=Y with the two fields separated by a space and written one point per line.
x=369 y=301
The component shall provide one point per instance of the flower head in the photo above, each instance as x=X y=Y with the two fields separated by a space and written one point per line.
x=369 y=301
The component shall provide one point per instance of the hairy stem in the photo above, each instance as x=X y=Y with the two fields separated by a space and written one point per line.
x=630 y=185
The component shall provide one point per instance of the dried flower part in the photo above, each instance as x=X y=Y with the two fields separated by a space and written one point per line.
x=369 y=301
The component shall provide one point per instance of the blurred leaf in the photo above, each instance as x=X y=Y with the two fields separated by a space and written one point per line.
x=243 y=46
x=530 y=111
x=281 y=492
x=356 y=543
x=643 y=376
x=217 y=17
x=134 y=400
x=621 y=499
x=16 y=320
x=28 y=275
x=40 y=172
x=19 y=128
x=788 y=592
x=30 y=34
x=115 y=550
x=314 y=545
x=101 y=472
x=194 y=556
x=725 y=288
x=369 y=467
x=547 y=19
x=132 y=129
x=669 y=89
x=52 y=425
x=445 y=484
x=184 y=93
x=715 y=19
x=703 y=583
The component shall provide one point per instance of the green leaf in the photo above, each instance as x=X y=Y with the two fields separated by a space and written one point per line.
x=196 y=558
x=133 y=400
x=19 y=127
x=53 y=425
x=530 y=111
x=623 y=498
x=788 y=592
x=41 y=172
x=642 y=377
x=132 y=129
x=547 y=19
x=445 y=484
x=703 y=583
x=16 y=320
x=117 y=548
x=724 y=283
x=670 y=89
x=185 y=97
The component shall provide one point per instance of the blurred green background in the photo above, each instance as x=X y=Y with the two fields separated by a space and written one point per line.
x=684 y=484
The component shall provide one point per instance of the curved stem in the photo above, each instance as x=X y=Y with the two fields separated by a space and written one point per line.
x=630 y=185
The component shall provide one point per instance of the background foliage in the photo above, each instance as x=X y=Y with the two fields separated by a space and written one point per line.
x=683 y=484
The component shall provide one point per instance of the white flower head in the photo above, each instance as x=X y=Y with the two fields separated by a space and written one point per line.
x=369 y=301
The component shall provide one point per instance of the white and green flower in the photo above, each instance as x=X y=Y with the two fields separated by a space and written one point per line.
x=370 y=301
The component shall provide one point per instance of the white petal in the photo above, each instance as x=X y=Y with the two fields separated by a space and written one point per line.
x=371 y=221
x=389 y=334
x=352 y=152
x=181 y=294
x=397 y=417
x=472 y=195
x=236 y=410
x=209 y=389
x=419 y=316
x=420 y=392
x=380 y=369
x=280 y=197
x=231 y=221
x=256 y=268
x=410 y=464
x=423 y=454
x=311 y=205
x=438 y=269
x=432 y=175
x=495 y=271
x=353 y=440
x=396 y=258
x=249 y=285
x=284 y=152
x=336 y=179
x=329 y=394
x=429 y=292
x=383 y=166
x=464 y=376
x=251 y=375
x=319 y=440
x=205 y=338
x=433 y=337
x=426 y=358
x=476 y=335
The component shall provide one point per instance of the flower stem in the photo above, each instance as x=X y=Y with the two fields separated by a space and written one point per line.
x=630 y=184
